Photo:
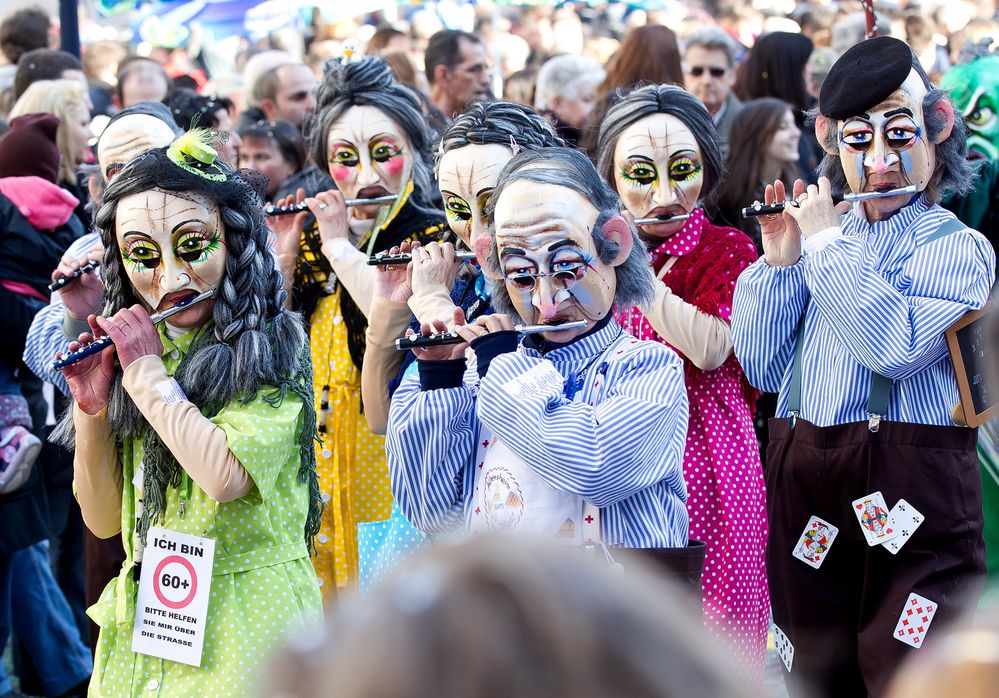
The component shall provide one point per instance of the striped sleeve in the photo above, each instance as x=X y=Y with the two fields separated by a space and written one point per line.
x=45 y=339
x=430 y=441
x=630 y=440
x=898 y=333
x=768 y=304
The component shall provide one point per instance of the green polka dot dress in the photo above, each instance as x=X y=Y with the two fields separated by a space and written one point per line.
x=264 y=587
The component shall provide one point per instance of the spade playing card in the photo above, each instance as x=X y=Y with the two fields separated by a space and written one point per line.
x=915 y=620
x=872 y=514
x=905 y=519
x=815 y=541
x=785 y=650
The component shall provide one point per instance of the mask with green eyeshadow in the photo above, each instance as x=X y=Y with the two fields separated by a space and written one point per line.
x=974 y=86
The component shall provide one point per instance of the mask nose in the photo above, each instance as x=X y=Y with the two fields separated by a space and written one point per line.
x=544 y=299
x=881 y=159
x=664 y=194
x=367 y=176
x=174 y=276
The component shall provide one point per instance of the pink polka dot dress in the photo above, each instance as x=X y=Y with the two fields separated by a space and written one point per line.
x=726 y=498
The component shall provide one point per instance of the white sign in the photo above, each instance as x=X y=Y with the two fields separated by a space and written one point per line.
x=541 y=379
x=172 y=606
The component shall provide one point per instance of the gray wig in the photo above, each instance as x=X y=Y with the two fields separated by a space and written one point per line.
x=952 y=173
x=662 y=99
x=251 y=344
x=570 y=168
x=368 y=81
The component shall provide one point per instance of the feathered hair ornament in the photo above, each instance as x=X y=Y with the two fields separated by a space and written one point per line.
x=195 y=152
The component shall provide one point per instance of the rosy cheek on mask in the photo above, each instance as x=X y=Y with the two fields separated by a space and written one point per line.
x=340 y=173
x=395 y=167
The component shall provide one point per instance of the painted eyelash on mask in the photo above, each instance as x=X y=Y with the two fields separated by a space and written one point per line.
x=695 y=170
x=214 y=242
x=627 y=174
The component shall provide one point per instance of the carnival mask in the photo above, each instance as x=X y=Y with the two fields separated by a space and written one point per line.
x=887 y=147
x=547 y=257
x=127 y=138
x=369 y=156
x=658 y=171
x=173 y=246
x=974 y=87
x=467 y=177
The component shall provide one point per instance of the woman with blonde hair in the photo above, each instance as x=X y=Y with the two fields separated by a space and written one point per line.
x=67 y=100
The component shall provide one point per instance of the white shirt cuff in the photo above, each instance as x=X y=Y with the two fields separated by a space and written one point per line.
x=338 y=249
x=822 y=238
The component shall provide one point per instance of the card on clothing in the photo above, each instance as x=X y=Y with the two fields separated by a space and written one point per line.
x=905 y=519
x=785 y=650
x=915 y=620
x=872 y=514
x=815 y=541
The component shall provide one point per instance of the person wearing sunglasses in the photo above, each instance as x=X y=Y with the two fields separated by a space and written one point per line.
x=574 y=435
x=709 y=73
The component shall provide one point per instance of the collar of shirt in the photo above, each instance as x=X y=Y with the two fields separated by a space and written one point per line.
x=682 y=242
x=856 y=223
x=596 y=340
x=176 y=349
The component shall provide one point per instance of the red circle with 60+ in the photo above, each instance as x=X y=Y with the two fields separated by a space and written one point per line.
x=183 y=562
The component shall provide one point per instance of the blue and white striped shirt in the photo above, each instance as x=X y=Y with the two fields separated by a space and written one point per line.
x=46 y=338
x=875 y=298
x=624 y=454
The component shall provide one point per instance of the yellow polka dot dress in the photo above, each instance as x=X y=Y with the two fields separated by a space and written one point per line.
x=350 y=461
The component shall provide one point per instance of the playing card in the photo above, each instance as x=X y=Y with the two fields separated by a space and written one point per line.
x=872 y=513
x=915 y=620
x=813 y=545
x=905 y=519
x=785 y=650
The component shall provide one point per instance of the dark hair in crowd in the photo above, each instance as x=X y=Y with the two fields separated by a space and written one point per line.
x=776 y=68
x=381 y=38
x=24 y=31
x=754 y=125
x=444 y=48
x=570 y=168
x=952 y=172
x=190 y=109
x=285 y=137
x=253 y=341
x=662 y=99
x=128 y=65
x=42 y=64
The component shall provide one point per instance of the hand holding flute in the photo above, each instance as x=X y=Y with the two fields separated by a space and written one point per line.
x=813 y=212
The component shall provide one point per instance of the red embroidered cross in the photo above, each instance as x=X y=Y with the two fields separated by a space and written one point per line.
x=485 y=444
x=477 y=510
x=481 y=464
x=588 y=519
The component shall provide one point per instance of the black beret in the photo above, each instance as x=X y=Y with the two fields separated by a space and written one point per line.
x=864 y=76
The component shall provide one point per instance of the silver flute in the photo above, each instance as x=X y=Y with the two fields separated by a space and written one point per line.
x=667 y=218
x=758 y=209
x=99 y=345
x=385 y=258
x=298 y=208
x=436 y=340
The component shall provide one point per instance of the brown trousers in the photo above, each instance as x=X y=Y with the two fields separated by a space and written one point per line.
x=840 y=618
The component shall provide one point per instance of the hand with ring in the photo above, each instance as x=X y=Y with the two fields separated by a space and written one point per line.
x=133 y=334
x=813 y=210
x=395 y=282
x=331 y=214
x=436 y=265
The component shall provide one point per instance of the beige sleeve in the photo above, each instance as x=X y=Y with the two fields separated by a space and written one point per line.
x=704 y=339
x=388 y=322
x=351 y=267
x=97 y=476
x=433 y=303
x=201 y=448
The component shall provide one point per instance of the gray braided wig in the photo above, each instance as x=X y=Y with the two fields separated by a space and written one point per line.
x=252 y=342
x=570 y=168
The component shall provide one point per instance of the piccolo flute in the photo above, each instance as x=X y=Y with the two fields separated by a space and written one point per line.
x=298 y=208
x=67 y=280
x=385 y=258
x=436 y=340
x=765 y=209
x=104 y=342
x=662 y=219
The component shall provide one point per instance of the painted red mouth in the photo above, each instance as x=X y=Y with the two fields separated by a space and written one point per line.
x=175 y=298
x=672 y=210
x=372 y=192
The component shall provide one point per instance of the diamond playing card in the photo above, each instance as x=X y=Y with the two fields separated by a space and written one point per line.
x=872 y=513
x=785 y=650
x=814 y=543
x=905 y=519
x=915 y=620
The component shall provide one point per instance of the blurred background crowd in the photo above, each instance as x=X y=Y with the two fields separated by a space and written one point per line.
x=250 y=70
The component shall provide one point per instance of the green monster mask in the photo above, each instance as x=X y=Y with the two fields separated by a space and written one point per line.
x=974 y=87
